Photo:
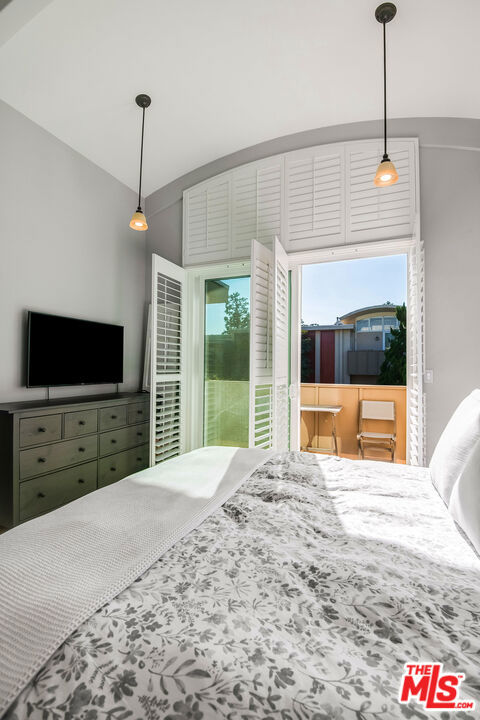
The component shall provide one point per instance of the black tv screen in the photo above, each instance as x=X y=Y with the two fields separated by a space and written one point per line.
x=65 y=351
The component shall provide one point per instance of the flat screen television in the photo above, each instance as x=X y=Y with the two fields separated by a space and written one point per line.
x=65 y=351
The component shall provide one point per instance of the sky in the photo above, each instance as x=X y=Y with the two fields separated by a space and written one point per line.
x=332 y=289
x=215 y=313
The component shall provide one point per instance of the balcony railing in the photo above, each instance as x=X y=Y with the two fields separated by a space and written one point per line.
x=316 y=427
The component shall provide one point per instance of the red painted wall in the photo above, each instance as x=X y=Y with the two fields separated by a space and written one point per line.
x=327 y=356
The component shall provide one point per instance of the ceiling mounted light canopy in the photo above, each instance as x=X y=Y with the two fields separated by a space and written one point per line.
x=386 y=172
x=139 y=221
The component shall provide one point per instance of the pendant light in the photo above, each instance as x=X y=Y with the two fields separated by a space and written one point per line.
x=386 y=172
x=139 y=221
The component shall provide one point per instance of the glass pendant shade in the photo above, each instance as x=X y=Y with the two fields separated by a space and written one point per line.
x=386 y=174
x=138 y=221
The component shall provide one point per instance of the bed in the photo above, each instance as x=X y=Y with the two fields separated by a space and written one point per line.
x=301 y=594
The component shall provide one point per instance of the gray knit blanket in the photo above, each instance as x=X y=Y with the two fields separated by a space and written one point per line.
x=59 y=569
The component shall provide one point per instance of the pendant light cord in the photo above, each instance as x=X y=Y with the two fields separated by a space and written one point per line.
x=141 y=163
x=384 y=91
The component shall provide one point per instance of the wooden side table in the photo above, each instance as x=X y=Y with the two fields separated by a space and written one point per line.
x=333 y=411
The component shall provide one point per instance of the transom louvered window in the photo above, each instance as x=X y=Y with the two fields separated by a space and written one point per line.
x=379 y=213
x=167 y=365
x=313 y=198
x=315 y=181
x=207 y=222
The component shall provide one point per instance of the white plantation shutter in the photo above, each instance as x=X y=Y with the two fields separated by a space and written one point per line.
x=256 y=205
x=415 y=353
x=280 y=348
x=167 y=397
x=207 y=222
x=379 y=213
x=261 y=347
x=269 y=202
x=269 y=347
x=315 y=190
x=313 y=198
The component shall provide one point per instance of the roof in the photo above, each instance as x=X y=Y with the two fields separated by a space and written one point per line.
x=371 y=308
x=337 y=326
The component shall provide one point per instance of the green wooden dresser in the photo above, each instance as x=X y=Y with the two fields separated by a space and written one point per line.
x=52 y=452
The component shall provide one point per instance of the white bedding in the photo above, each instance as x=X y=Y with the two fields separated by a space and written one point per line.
x=57 y=570
x=301 y=597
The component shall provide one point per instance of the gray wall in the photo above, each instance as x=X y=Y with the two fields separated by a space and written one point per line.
x=450 y=205
x=65 y=248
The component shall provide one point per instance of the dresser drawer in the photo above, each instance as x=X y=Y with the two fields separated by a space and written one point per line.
x=138 y=459
x=39 y=430
x=138 y=412
x=113 y=417
x=80 y=422
x=45 y=493
x=115 y=467
x=115 y=440
x=51 y=457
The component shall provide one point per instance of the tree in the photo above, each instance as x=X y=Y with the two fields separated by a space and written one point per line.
x=394 y=367
x=237 y=315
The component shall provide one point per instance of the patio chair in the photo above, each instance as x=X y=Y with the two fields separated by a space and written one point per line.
x=383 y=410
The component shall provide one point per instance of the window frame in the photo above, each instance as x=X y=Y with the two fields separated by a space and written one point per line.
x=195 y=362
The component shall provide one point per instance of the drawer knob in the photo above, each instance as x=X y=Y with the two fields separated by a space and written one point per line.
x=139 y=434
x=113 y=469
x=113 y=417
x=81 y=422
x=41 y=495
x=81 y=480
x=139 y=459
x=139 y=412
x=42 y=459
x=42 y=429
x=81 y=449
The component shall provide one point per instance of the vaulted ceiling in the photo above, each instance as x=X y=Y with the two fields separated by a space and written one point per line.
x=226 y=74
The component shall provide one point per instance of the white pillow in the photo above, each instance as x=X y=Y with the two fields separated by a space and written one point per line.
x=464 y=505
x=456 y=444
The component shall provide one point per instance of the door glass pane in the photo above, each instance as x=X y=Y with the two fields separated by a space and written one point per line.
x=227 y=362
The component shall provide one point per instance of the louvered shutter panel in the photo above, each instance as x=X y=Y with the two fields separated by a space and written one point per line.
x=207 y=222
x=269 y=203
x=244 y=210
x=415 y=354
x=379 y=213
x=280 y=348
x=315 y=191
x=257 y=200
x=261 y=360
x=167 y=398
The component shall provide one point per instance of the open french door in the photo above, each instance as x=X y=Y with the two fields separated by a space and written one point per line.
x=167 y=396
x=269 y=342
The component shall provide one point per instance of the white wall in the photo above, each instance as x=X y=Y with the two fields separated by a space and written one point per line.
x=65 y=248
x=450 y=198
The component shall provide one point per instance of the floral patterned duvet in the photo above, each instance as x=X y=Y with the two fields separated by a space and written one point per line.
x=302 y=597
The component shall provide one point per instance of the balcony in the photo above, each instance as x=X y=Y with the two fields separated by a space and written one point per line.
x=316 y=427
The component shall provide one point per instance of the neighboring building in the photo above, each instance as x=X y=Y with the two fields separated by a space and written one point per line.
x=352 y=350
